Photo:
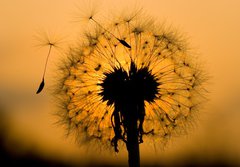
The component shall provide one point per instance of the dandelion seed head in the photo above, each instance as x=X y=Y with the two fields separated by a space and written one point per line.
x=102 y=76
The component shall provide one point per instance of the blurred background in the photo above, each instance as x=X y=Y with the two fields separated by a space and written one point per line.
x=28 y=134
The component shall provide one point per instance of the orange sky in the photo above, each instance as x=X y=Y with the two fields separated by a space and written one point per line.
x=213 y=29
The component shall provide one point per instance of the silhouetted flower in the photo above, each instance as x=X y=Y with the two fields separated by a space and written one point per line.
x=131 y=65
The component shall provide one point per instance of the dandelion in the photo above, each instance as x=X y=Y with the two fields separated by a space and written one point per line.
x=127 y=82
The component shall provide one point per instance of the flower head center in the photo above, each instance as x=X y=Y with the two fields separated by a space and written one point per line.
x=122 y=87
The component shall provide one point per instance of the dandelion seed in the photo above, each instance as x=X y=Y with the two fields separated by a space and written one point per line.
x=86 y=10
x=126 y=90
x=44 y=40
x=123 y=42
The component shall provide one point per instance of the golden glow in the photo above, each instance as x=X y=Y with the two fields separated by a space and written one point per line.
x=213 y=32
x=161 y=50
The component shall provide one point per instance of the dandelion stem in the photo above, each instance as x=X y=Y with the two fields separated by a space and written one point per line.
x=133 y=144
x=133 y=135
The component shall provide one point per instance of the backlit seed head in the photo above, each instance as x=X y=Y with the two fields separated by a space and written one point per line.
x=134 y=61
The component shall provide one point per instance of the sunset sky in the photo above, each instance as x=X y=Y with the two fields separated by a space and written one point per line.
x=213 y=32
